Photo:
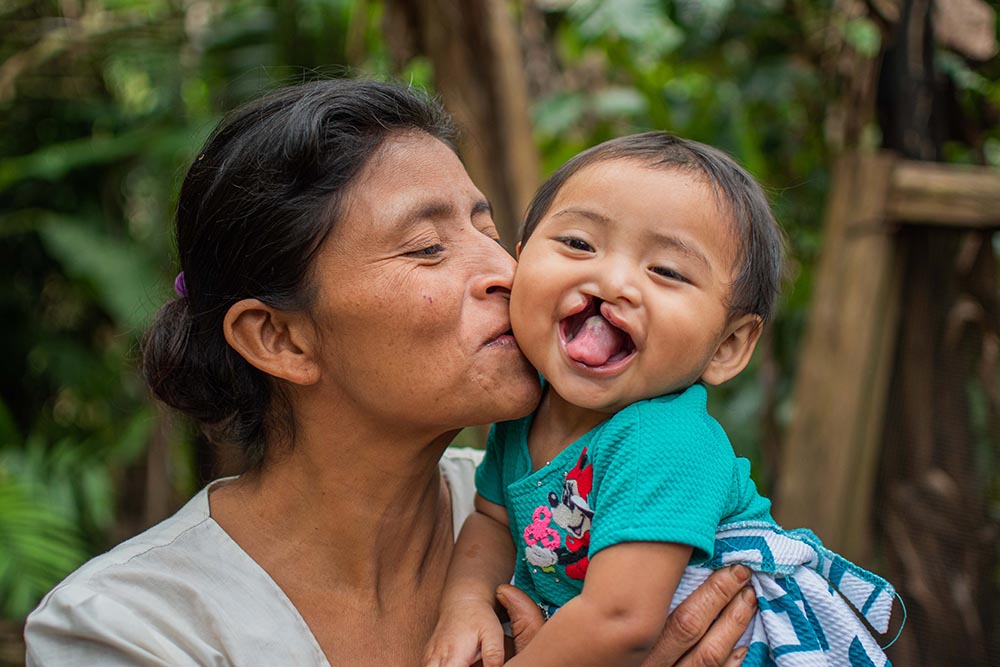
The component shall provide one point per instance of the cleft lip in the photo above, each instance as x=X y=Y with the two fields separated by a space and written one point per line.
x=570 y=325
x=609 y=313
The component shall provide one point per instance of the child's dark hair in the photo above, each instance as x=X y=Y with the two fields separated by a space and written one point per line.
x=256 y=205
x=760 y=240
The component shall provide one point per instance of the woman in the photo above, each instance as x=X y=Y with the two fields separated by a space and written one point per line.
x=342 y=314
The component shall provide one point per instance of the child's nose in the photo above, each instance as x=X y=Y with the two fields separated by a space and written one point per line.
x=619 y=283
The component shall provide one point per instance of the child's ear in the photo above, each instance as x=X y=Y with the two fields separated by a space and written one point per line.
x=277 y=342
x=735 y=350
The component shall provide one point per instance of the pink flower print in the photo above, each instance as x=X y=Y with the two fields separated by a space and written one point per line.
x=539 y=532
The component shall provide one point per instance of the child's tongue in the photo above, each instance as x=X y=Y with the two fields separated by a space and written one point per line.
x=596 y=342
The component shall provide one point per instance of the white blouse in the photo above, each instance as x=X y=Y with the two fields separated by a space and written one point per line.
x=184 y=593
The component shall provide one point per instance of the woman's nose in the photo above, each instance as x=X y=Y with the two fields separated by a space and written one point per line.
x=494 y=268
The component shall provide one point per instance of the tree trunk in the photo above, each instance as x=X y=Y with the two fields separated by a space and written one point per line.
x=478 y=71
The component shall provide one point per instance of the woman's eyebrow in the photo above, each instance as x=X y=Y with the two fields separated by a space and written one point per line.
x=437 y=210
x=433 y=210
x=482 y=206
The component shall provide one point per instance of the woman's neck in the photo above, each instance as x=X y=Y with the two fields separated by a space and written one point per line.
x=348 y=512
x=355 y=526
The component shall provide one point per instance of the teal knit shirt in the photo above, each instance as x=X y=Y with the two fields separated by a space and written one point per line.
x=660 y=470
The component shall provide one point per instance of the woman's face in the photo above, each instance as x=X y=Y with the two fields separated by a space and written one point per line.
x=413 y=296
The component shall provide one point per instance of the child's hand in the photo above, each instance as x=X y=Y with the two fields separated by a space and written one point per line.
x=465 y=630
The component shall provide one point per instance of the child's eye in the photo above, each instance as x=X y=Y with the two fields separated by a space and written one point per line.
x=575 y=243
x=669 y=273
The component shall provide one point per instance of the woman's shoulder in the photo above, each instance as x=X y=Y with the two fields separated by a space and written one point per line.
x=182 y=592
x=458 y=466
x=134 y=552
x=119 y=601
x=462 y=457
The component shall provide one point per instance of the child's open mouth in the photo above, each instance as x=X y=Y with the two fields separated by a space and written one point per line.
x=593 y=341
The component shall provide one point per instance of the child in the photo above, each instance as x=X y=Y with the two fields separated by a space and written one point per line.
x=647 y=268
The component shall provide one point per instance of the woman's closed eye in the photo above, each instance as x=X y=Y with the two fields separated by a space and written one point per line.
x=429 y=251
x=575 y=243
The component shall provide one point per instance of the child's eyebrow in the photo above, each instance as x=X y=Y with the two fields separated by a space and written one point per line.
x=678 y=244
x=586 y=213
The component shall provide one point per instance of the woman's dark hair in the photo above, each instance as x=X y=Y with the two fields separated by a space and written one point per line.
x=760 y=241
x=254 y=208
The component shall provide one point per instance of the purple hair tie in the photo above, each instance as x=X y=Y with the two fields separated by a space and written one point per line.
x=180 y=286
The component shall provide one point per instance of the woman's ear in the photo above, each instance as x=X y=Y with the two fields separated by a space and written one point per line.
x=735 y=350
x=274 y=341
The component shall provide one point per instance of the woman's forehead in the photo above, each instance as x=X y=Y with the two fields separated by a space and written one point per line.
x=408 y=155
x=413 y=177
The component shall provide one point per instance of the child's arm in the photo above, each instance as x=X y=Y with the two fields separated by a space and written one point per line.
x=620 y=613
x=482 y=560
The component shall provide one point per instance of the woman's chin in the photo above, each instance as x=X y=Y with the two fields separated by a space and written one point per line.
x=515 y=397
x=522 y=396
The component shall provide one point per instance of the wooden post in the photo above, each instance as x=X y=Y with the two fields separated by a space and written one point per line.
x=831 y=450
x=479 y=72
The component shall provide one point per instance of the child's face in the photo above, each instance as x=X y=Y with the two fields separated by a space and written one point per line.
x=620 y=293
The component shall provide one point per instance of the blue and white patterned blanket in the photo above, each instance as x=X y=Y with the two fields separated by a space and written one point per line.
x=802 y=618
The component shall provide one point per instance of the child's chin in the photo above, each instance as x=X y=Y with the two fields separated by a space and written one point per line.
x=591 y=399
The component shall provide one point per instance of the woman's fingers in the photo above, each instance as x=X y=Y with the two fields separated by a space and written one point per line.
x=701 y=632
x=716 y=647
x=525 y=616
x=704 y=628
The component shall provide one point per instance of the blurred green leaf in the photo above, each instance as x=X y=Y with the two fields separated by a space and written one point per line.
x=619 y=102
x=558 y=113
x=640 y=22
x=121 y=276
x=55 y=161
x=863 y=34
x=959 y=71
x=39 y=548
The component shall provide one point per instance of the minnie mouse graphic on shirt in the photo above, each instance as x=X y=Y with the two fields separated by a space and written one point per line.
x=571 y=512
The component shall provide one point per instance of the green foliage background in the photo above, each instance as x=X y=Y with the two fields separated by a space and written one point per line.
x=103 y=102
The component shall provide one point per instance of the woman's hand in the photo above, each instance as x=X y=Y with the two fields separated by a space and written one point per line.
x=701 y=632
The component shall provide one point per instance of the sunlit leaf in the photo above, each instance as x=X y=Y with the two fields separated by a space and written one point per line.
x=619 y=102
x=558 y=113
x=640 y=22
x=863 y=34
x=39 y=548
